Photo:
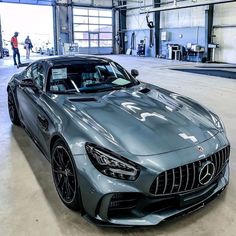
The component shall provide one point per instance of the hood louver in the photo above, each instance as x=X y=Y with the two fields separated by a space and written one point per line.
x=82 y=99
x=144 y=90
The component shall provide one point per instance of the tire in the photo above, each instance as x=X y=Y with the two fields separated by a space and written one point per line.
x=64 y=175
x=12 y=109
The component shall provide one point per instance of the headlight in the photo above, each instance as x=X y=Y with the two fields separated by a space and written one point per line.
x=111 y=164
x=218 y=122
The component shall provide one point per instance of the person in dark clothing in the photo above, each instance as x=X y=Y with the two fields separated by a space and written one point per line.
x=14 y=44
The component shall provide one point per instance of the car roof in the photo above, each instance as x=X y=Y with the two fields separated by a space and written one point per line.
x=57 y=60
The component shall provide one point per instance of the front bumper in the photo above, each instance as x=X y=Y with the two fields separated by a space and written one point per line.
x=118 y=202
x=109 y=201
x=153 y=210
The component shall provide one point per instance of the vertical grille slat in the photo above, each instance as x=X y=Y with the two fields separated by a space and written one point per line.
x=211 y=159
x=221 y=153
x=157 y=183
x=226 y=155
x=219 y=159
x=216 y=162
x=180 y=178
x=194 y=174
x=185 y=178
x=173 y=183
x=166 y=181
x=222 y=158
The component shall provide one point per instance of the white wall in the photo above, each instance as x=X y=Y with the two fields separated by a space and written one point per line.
x=103 y=3
x=135 y=20
x=226 y=38
x=224 y=17
x=85 y=2
x=96 y=3
x=225 y=14
x=187 y=17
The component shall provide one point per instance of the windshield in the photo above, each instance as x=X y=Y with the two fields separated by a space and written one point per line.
x=88 y=77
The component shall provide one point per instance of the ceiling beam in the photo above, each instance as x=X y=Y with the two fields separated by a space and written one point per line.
x=186 y=5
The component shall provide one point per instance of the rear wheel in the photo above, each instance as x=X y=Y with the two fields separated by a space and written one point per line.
x=64 y=175
x=12 y=109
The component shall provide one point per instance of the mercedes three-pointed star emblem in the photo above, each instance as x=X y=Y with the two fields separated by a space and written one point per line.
x=206 y=173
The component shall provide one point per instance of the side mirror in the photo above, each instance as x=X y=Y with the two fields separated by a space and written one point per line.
x=134 y=73
x=29 y=83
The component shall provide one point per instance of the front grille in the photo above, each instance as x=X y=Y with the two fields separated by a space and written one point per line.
x=186 y=177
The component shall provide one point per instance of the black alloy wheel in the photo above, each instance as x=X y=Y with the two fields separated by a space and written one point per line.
x=64 y=176
x=12 y=109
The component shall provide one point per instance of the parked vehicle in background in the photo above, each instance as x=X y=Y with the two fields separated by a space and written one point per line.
x=5 y=52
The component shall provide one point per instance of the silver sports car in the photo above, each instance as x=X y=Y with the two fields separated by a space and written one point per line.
x=122 y=152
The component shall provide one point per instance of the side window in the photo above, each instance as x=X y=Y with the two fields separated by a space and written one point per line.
x=35 y=72
x=28 y=72
x=39 y=79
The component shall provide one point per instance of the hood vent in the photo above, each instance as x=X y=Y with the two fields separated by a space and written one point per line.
x=144 y=90
x=83 y=99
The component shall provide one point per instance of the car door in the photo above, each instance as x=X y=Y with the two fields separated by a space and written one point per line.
x=45 y=118
x=28 y=100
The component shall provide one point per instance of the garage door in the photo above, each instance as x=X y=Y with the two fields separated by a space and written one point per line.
x=93 y=30
x=226 y=38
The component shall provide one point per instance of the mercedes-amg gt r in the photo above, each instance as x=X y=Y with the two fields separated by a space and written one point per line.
x=122 y=151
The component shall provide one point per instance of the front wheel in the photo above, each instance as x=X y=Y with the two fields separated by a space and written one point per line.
x=64 y=175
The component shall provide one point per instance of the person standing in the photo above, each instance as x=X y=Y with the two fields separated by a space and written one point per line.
x=14 y=44
x=28 y=46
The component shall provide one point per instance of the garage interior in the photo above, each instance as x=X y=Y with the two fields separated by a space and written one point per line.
x=185 y=46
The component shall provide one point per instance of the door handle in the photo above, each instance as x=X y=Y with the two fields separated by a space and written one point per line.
x=43 y=122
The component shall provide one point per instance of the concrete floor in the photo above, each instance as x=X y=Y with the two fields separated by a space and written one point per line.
x=29 y=204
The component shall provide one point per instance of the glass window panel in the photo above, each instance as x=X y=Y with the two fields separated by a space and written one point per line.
x=80 y=27
x=93 y=20
x=105 y=13
x=82 y=43
x=81 y=35
x=93 y=43
x=105 y=28
x=94 y=28
x=93 y=36
x=106 y=21
x=93 y=12
x=79 y=11
x=105 y=35
x=105 y=43
x=81 y=19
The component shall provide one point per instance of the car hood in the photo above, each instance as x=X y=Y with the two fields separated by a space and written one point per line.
x=143 y=121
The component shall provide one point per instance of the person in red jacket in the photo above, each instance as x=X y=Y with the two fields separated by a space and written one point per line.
x=14 y=44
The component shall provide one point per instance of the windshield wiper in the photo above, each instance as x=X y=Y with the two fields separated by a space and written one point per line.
x=64 y=92
x=72 y=81
x=95 y=90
